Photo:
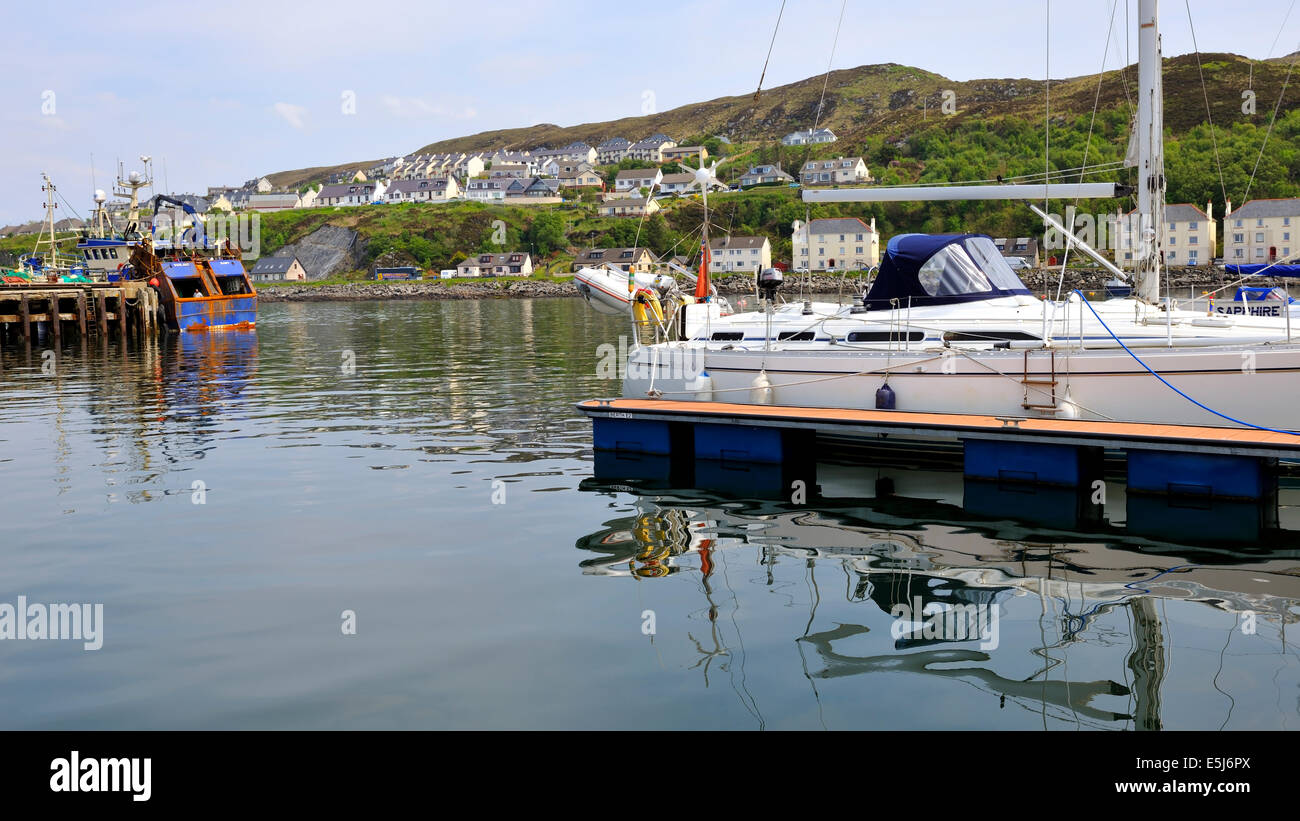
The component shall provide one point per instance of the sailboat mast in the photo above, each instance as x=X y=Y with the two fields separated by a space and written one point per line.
x=1151 y=154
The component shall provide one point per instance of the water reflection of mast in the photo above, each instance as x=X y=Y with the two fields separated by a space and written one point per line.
x=1147 y=661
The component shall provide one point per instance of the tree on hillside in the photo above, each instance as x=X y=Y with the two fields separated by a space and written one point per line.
x=546 y=234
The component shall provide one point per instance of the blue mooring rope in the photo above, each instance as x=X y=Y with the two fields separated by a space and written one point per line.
x=1171 y=387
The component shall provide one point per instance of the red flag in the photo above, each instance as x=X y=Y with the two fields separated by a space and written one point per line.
x=702 y=282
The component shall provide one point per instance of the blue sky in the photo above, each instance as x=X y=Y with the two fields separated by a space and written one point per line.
x=220 y=92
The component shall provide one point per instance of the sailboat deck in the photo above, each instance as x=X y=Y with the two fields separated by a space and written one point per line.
x=957 y=427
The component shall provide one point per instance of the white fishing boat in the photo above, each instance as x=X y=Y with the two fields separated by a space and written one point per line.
x=948 y=327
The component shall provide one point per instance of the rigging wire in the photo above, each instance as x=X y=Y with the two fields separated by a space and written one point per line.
x=1214 y=140
x=1087 y=144
x=775 y=29
x=829 y=60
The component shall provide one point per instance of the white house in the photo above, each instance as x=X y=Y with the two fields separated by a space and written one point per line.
x=840 y=244
x=347 y=194
x=727 y=254
x=435 y=190
x=837 y=171
x=809 y=137
x=511 y=264
x=485 y=189
x=765 y=174
x=634 y=179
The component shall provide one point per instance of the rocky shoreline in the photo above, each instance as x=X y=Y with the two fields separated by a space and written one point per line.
x=1082 y=279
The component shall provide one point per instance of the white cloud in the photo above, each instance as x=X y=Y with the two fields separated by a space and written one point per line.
x=292 y=114
x=418 y=107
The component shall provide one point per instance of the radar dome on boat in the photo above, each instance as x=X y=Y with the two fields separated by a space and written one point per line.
x=100 y=196
x=941 y=269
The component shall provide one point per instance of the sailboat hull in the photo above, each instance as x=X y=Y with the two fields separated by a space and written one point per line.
x=1251 y=385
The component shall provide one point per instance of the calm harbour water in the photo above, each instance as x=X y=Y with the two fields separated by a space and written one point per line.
x=421 y=464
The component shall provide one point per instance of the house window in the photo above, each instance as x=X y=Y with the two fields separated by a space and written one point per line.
x=857 y=250
x=1238 y=225
x=1286 y=252
x=859 y=238
x=1173 y=240
x=1191 y=256
x=803 y=252
x=1286 y=220
x=1286 y=235
x=1259 y=236
x=821 y=252
x=1173 y=254
x=1238 y=237
x=1259 y=223
x=1173 y=226
x=1237 y=252
x=1192 y=240
x=1191 y=226
x=1259 y=253
x=841 y=240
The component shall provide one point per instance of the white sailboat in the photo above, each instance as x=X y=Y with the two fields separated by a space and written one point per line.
x=948 y=327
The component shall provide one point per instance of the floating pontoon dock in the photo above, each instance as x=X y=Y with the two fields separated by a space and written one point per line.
x=764 y=447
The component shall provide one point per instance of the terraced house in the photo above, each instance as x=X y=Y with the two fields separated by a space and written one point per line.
x=1191 y=236
x=1261 y=231
x=840 y=244
x=612 y=151
x=348 y=194
x=651 y=149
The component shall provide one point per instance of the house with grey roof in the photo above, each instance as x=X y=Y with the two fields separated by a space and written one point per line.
x=639 y=260
x=346 y=194
x=634 y=179
x=836 y=244
x=1191 y=236
x=278 y=269
x=835 y=171
x=651 y=149
x=627 y=207
x=439 y=189
x=612 y=151
x=728 y=254
x=279 y=201
x=1261 y=231
x=765 y=175
x=1025 y=248
x=509 y=264
x=809 y=137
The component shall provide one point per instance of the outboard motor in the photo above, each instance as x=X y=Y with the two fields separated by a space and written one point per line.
x=769 y=281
